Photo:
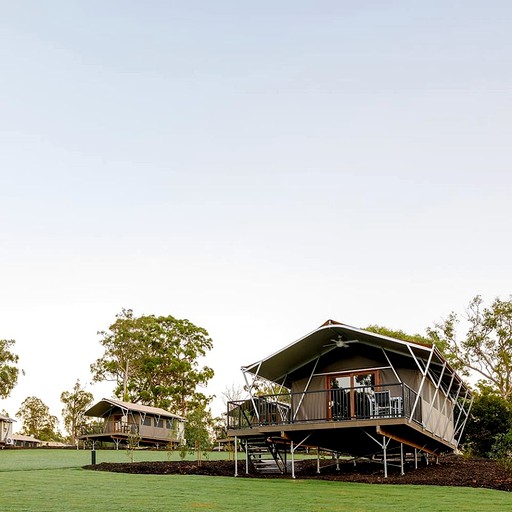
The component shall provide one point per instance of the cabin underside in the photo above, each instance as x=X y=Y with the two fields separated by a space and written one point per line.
x=357 y=438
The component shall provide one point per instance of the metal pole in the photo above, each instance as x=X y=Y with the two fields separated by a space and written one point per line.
x=236 y=457
x=293 y=460
x=384 y=446
x=93 y=455
x=246 y=458
x=318 y=460
x=402 y=472
x=415 y=458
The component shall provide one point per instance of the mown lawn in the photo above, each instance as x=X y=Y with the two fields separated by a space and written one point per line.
x=52 y=480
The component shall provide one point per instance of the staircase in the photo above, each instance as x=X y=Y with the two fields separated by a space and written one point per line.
x=264 y=455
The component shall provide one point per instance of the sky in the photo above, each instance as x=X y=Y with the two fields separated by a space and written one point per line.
x=254 y=167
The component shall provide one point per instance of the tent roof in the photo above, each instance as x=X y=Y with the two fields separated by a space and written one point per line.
x=106 y=405
x=280 y=365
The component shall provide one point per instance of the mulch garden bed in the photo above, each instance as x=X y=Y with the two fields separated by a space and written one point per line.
x=452 y=470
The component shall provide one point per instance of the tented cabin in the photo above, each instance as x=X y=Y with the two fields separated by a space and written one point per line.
x=125 y=422
x=6 y=431
x=351 y=392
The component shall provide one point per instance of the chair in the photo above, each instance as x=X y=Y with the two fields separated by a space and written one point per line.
x=382 y=403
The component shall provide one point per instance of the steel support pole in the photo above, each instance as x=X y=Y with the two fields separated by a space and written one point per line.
x=384 y=447
x=318 y=460
x=402 y=472
x=293 y=460
x=415 y=458
x=236 y=456
x=246 y=458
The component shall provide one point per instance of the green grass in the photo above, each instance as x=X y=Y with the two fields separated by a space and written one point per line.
x=53 y=481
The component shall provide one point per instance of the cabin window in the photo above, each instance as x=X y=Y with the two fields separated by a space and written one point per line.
x=159 y=423
x=168 y=424
x=146 y=421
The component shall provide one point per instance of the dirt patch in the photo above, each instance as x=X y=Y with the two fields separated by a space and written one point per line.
x=451 y=470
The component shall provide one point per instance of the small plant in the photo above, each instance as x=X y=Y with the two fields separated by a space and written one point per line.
x=132 y=443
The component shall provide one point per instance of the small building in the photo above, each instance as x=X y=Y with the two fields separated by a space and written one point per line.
x=6 y=425
x=23 y=441
x=142 y=425
x=352 y=392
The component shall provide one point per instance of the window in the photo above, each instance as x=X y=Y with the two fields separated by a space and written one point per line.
x=168 y=424
x=159 y=423
x=146 y=421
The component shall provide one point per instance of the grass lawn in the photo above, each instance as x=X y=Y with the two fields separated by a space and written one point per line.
x=52 y=480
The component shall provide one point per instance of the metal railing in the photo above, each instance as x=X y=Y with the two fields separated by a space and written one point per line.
x=113 y=428
x=341 y=404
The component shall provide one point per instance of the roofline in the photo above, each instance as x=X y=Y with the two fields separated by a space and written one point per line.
x=329 y=324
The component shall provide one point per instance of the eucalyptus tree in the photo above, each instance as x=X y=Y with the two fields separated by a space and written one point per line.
x=37 y=420
x=486 y=346
x=75 y=403
x=9 y=370
x=155 y=360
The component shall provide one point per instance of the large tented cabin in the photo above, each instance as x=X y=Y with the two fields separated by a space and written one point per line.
x=351 y=392
x=129 y=423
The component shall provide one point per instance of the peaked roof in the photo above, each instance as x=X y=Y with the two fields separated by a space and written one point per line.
x=6 y=419
x=279 y=365
x=105 y=405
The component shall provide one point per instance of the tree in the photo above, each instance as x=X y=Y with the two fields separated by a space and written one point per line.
x=75 y=403
x=9 y=371
x=37 y=420
x=199 y=431
x=399 y=334
x=487 y=346
x=489 y=423
x=154 y=360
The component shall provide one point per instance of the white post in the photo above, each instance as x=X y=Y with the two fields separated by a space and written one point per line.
x=318 y=460
x=293 y=461
x=246 y=458
x=384 y=445
x=415 y=458
x=236 y=457
x=402 y=472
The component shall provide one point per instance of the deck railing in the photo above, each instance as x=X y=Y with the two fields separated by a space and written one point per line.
x=342 y=404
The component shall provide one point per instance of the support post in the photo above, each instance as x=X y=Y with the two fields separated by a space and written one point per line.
x=318 y=460
x=385 y=448
x=415 y=458
x=236 y=457
x=293 y=460
x=402 y=472
x=246 y=457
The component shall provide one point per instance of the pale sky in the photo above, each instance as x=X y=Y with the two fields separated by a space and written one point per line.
x=255 y=167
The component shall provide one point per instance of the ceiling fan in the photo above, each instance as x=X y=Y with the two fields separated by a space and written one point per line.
x=339 y=342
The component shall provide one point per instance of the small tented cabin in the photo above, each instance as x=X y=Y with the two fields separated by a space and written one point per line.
x=6 y=431
x=23 y=441
x=125 y=422
x=352 y=392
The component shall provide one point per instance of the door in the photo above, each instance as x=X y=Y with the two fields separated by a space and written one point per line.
x=350 y=392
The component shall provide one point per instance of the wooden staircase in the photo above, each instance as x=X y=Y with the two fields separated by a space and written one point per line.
x=264 y=454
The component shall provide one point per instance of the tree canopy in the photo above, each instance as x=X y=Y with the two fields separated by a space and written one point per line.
x=9 y=370
x=37 y=420
x=399 y=334
x=154 y=360
x=486 y=348
x=75 y=403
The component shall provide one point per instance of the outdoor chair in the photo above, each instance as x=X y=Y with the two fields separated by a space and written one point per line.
x=382 y=403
